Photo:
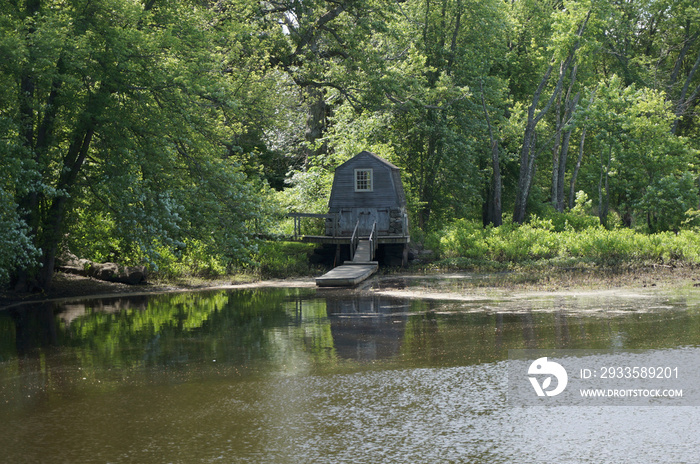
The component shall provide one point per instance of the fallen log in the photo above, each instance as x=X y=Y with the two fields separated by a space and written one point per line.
x=110 y=272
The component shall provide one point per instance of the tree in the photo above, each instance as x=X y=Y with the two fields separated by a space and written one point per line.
x=573 y=26
x=493 y=206
x=124 y=109
x=436 y=123
x=638 y=154
x=327 y=49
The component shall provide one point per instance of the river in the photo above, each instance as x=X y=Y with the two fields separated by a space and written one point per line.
x=300 y=375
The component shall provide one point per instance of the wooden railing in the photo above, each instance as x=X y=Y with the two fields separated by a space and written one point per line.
x=332 y=228
x=354 y=240
x=373 y=242
x=297 y=222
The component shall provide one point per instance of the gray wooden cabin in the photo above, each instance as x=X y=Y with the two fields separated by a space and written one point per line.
x=367 y=193
x=368 y=189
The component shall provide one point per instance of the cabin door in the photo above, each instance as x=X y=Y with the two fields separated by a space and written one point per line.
x=348 y=219
x=368 y=216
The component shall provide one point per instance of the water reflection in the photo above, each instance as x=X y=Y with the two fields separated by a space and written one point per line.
x=261 y=329
x=280 y=375
x=367 y=328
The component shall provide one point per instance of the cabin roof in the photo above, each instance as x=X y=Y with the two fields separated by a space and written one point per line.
x=370 y=155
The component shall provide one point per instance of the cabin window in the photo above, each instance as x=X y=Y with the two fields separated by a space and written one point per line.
x=363 y=180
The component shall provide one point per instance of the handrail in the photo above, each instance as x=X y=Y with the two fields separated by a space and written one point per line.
x=373 y=242
x=297 y=222
x=354 y=240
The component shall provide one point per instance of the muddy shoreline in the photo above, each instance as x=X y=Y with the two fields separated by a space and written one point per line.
x=430 y=285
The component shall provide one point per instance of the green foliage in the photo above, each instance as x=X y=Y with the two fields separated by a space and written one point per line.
x=16 y=250
x=539 y=240
x=578 y=218
x=132 y=128
x=16 y=247
x=283 y=259
x=667 y=200
x=309 y=191
x=193 y=259
x=151 y=133
x=641 y=168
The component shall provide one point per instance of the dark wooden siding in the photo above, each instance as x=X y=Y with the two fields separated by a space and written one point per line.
x=385 y=193
x=384 y=205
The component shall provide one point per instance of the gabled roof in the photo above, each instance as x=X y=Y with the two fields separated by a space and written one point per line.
x=373 y=156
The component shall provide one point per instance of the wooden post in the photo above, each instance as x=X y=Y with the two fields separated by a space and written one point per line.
x=404 y=258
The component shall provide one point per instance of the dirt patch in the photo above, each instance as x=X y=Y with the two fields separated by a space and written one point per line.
x=541 y=283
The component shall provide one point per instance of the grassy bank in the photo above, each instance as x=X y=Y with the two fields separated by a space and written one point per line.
x=541 y=247
x=466 y=244
x=272 y=260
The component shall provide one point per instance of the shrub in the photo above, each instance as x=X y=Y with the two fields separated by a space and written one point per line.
x=464 y=239
x=283 y=259
x=193 y=259
x=541 y=240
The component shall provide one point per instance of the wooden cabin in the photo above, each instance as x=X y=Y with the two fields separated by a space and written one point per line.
x=368 y=189
x=367 y=195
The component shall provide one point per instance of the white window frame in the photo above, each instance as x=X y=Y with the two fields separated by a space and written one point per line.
x=369 y=180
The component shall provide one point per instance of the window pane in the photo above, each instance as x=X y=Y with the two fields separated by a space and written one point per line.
x=363 y=179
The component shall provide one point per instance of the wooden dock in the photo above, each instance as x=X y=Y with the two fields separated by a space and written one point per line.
x=351 y=273
x=347 y=275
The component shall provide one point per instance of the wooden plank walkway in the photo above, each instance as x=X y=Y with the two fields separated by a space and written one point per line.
x=362 y=252
x=351 y=273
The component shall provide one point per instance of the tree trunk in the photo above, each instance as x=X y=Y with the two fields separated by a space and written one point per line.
x=561 y=143
x=563 y=157
x=574 y=176
x=51 y=230
x=527 y=152
x=556 y=153
x=315 y=123
x=604 y=199
x=494 y=214
x=572 y=189
x=528 y=157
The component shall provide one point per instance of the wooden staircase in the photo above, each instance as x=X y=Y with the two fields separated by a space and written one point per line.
x=363 y=252
x=360 y=268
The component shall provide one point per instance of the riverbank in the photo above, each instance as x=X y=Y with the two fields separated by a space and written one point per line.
x=435 y=283
x=67 y=286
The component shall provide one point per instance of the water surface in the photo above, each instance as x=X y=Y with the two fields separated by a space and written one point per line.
x=306 y=375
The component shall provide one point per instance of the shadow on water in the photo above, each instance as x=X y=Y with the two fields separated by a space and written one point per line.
x=294 y=375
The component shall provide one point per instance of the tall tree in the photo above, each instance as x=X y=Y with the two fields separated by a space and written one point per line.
x=437 y=124
x=126 y=106
x=327 y=50
x=562 y=59
x=637 y=154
